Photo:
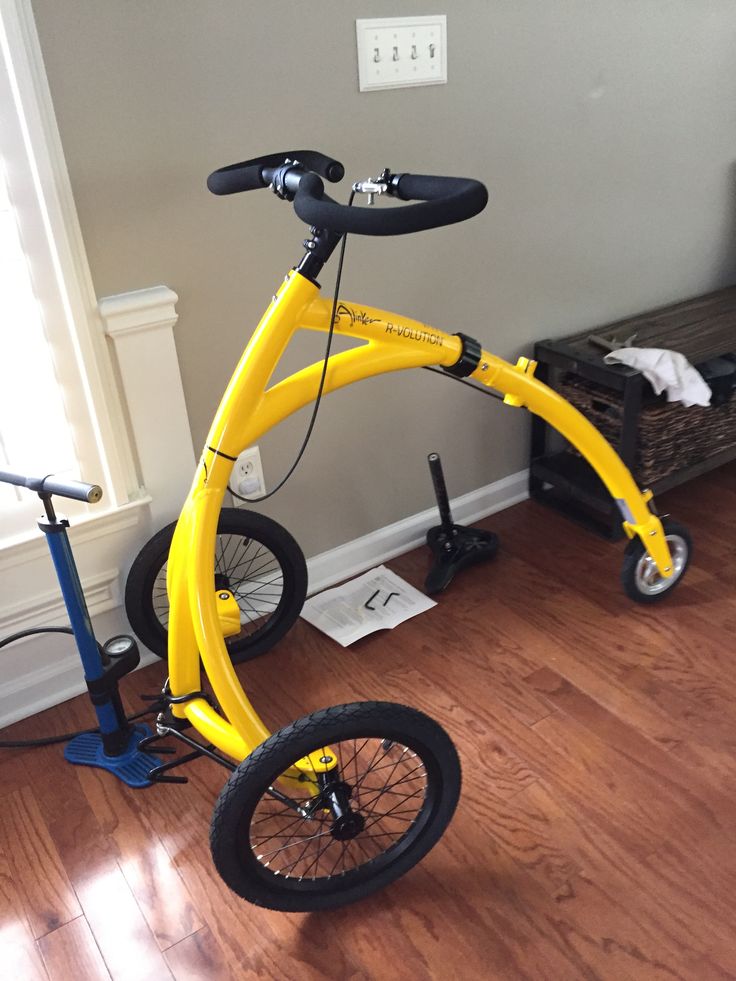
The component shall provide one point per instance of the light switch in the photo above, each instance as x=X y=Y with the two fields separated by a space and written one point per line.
x=394 y=52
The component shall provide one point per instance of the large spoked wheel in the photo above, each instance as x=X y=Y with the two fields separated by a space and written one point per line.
x=328 y=839
x=255 y=558
x=640 y=576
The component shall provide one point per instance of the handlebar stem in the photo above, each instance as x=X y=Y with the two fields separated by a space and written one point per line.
x=319 y=249
x=281 y=185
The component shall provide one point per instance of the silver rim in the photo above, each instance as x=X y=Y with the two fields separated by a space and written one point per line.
x=646 y=575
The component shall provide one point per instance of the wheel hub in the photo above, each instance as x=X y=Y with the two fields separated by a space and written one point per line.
x=648 y=579
x=347 y=823
x=348 y=826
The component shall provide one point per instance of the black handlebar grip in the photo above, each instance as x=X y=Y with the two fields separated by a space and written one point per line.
x=235 y=178
x=462 y=191
x=75 y=489
x=248 y=175
x=444 y=201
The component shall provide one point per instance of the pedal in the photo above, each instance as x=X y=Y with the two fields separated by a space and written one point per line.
x=160 y=750
x=157 y=776
x=158 y=702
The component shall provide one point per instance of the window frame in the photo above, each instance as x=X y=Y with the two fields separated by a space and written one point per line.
x=41 y=183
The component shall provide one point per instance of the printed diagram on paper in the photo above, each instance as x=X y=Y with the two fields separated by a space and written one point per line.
x=377 y=600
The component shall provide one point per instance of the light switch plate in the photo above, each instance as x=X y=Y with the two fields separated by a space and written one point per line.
x=394 y=52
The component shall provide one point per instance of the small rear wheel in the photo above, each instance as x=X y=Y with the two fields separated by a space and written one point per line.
x=641 y=578
x=327 y=839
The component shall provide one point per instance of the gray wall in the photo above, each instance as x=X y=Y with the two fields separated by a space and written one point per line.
x=604 y=129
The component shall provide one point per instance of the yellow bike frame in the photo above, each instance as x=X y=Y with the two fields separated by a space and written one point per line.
x=249 y=409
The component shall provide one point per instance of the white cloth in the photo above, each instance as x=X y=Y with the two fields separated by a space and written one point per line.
x=667 y=371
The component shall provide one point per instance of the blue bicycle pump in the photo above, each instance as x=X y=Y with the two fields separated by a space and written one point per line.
x=115 y=746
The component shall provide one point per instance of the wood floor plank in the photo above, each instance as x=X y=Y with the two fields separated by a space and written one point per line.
x=21 y=957
x=199 y=958
x=647 y=811
x=600 y=676
x=627 y=654
x=125 y=940
x=47 y=895
x=83 y=846
x=522 y=830
x=144 y=861
x=70 y=952
x=715 y=760
x=630 y=742
x=617 y=887
x=19 y=953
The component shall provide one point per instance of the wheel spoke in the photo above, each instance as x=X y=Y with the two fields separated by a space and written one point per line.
x=250 y=572
x=294 y=841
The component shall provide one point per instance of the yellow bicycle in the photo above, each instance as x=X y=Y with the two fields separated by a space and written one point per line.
x=342 y=802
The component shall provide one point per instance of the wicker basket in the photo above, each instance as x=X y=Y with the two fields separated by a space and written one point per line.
x=670 y=436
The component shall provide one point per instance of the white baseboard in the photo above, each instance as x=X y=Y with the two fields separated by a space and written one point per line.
x=337 y=564
x=39 y=689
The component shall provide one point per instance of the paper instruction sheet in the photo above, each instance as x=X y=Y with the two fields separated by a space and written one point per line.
x=377 y=600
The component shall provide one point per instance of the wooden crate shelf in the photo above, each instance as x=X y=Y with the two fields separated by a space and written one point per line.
x=663 y=444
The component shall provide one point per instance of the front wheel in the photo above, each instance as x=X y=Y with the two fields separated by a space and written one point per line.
x=330 y=838
x=639 y=574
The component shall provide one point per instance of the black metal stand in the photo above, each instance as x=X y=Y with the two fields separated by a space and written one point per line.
x=169 y=726
x=453 y=546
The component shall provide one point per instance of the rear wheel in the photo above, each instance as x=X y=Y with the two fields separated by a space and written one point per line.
x=255 y=558
x=328 y=839
x=639 y=575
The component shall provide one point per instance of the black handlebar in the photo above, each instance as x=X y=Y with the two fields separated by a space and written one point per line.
x=78 y=491
x=444 y=200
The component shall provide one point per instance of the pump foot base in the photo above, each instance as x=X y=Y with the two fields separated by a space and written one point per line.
x=132 y=767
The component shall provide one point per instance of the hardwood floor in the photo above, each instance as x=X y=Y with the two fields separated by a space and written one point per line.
x=595 y=833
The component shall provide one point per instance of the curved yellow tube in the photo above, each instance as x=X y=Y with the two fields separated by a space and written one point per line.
x=248 y=409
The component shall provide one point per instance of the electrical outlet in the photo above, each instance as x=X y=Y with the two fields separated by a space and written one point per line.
x=394 y=52
x=247 y=476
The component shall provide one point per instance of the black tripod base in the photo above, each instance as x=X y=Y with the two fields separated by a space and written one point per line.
x=454 y=550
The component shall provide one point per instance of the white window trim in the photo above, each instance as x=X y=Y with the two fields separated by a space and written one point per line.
x=120 y=480
x=135 y=386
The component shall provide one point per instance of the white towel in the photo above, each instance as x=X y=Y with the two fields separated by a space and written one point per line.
x=667 y=371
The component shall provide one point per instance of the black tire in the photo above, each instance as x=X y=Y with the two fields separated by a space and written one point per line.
x=247 y=802
x=242 y=537
x=641 y=581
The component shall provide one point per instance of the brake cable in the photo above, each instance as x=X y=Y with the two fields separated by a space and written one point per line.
x=481 y=389
x=318 y=399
